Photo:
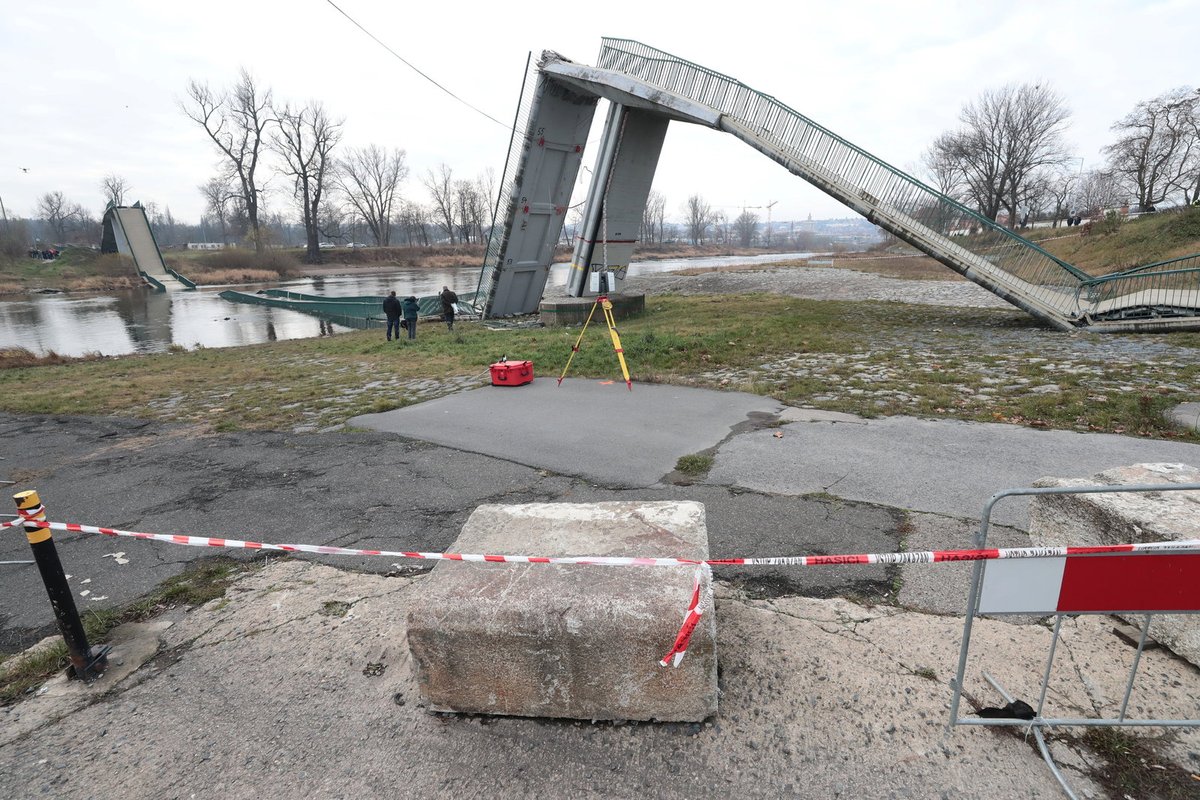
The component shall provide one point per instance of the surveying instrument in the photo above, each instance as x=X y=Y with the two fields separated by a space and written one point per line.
x=605 y=305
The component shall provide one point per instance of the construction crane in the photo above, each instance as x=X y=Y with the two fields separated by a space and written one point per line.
x=768 y=207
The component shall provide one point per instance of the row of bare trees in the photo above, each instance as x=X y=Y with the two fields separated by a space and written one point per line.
x=1157 y=152
x=333 y=188
x=1009 y=160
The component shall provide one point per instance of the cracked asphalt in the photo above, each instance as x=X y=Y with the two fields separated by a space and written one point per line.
x=356 y=489
x=784 y=481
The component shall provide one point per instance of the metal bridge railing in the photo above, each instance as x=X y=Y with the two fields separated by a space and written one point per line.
x=1164 y=289
x=841 y=168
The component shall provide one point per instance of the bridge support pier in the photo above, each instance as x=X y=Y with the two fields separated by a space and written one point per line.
x=621 y=181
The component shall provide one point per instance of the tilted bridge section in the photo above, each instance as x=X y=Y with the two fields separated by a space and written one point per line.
x=648 y=88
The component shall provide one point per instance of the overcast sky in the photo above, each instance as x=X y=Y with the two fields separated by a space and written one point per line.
x=93 y=88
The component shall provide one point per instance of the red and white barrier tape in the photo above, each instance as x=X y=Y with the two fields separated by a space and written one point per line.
x=915 y=557
x=698 y=604
x=701 y=601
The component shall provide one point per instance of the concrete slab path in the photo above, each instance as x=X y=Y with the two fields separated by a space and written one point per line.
x=594 y=429
x=940 y=466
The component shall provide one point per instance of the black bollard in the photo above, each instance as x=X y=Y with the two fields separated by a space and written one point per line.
x=87 y=663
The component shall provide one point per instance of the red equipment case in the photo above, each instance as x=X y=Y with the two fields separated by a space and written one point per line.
x=512 y=373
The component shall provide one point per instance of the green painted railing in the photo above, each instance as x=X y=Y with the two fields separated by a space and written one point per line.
x=154 y=282
x=1163 y=289
x=362 y=310
x=429 y=305
x=190 y=284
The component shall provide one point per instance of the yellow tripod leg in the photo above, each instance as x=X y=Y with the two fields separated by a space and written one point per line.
x=616 y=340
x=575 y=348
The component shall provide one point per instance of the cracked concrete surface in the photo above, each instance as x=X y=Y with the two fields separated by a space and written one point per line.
x=358 y=489
x=820 y=698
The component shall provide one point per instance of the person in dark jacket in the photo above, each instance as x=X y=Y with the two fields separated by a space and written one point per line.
x=449 y=299
x=411 y=309
x=393 y=310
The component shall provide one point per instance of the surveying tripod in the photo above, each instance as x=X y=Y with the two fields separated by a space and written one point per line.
x=604 y=304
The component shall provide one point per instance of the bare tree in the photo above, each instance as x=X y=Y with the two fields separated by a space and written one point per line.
x=722 y=229
x=370 y=177
x=697 y=216
x=1007 y=134
x=745 y=226
x=943 y=170
x=114 y=188
x=236 y=121
x=217 y=195
x=1097 y=191
x=469 y=210
x=441 y=192
x=163 y=224
x=1155 y=146
x=332 y=221
x=652 y=218
x=1191 y=177
x=414 y=223
x=1061 y=186
x=486 y=184
x=571 y=227
x=58 y=212
x=304 y=139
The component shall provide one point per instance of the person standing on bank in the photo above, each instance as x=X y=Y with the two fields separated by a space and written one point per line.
x=411 y=310
x=449 y=299
x=393 y=310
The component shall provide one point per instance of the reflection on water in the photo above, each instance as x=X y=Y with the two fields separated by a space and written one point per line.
x=139 y=321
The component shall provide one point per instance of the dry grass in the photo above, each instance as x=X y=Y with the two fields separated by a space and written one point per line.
x=104 y=283
x=13 y=357
x=197 y=265
x=223 y=276
x=1099 y=249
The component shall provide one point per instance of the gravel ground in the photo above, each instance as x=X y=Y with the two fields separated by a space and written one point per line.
x=819 y=284
x=996 y=351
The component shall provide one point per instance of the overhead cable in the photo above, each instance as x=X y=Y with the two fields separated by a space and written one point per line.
x=411 y=66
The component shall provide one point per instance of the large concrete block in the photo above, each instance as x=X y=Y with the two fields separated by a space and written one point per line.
x=1091 y=519
x=561 y=640
x=558 y=312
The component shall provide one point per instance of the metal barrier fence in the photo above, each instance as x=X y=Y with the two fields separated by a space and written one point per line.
x=1031 y=717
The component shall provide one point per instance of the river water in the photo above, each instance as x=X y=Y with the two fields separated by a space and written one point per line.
x=141 y=321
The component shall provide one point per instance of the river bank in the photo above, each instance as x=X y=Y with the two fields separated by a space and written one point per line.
x=83 y=270
x=760 y=331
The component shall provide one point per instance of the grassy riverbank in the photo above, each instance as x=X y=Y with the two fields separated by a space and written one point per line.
x=1099 y=249
x=864 y=358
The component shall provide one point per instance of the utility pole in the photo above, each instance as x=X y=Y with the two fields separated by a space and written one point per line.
x=3 y=213
x=770 y=205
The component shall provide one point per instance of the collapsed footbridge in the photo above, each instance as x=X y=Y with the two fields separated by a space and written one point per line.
x=648 y=88
x=126 y=230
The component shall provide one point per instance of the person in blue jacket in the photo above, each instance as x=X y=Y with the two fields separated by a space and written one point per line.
x=411 y=309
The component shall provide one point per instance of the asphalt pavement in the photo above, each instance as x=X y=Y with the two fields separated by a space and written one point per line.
x=783 y=482
x=598 y=430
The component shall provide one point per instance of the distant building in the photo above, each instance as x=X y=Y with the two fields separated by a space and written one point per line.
x=207 y=245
